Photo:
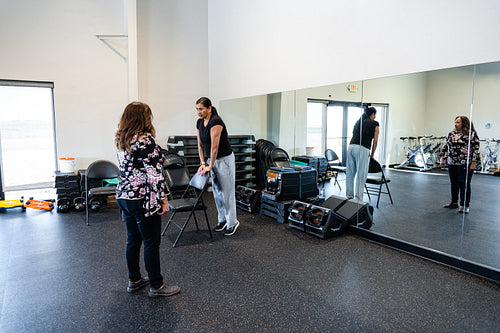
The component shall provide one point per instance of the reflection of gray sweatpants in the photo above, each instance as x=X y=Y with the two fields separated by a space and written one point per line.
x=358 y=161
x=223 y=185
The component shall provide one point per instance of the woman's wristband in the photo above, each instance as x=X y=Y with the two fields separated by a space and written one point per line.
x=203 y=163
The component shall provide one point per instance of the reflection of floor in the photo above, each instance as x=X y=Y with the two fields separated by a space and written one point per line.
x=59 y=275
x=418 y=216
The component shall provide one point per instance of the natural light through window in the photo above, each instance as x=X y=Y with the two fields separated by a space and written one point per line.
x=26 y=136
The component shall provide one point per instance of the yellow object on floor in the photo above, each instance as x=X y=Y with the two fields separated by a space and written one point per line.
x=11 y=203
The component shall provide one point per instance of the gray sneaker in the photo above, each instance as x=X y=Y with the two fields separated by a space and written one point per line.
x=164 y=291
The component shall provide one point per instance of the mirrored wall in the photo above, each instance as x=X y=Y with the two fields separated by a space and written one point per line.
x=416 y=112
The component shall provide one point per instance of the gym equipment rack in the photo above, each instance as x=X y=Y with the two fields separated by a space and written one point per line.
x=244 y=152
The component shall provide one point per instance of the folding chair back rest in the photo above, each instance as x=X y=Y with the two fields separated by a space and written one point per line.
x=177 y=177
x=102 y=169
x=172 y=160
x=331 y=155
x=280 y=158
x=199 y=182
x=374 y=167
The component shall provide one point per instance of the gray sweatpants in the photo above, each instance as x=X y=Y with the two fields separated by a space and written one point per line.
x=358 y=160
x=223 y=185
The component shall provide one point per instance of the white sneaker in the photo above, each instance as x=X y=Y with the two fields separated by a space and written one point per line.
x=466 y=210
x=461 y=209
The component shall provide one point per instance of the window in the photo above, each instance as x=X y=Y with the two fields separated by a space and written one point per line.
x=27 y=135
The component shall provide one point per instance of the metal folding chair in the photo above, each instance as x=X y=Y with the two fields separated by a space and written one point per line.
x=97 y=171
x=334 y=165
x=375 y=180
x=189 y=204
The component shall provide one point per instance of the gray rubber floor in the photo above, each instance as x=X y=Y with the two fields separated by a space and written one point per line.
x=58 y=275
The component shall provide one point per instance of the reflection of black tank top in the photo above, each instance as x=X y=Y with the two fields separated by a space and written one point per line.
x=206 y=139
x=368 y=132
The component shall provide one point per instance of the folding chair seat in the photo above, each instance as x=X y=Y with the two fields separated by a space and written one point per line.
x=376 y=180
x=198 y=184
x=98 y=171
x=334 y=165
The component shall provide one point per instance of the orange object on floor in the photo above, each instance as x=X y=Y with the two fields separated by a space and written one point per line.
x=39 y=204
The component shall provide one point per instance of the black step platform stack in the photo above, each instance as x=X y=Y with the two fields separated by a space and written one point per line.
x=283 y=186
x=276 y=209
x=67 y=189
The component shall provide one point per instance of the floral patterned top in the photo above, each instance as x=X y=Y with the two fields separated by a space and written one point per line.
x=141 y=173
x=455 y=149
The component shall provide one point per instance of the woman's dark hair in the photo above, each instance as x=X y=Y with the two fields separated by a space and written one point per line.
x=466 y=124
x=206 y=102
x=369 y=111
x=137 y=118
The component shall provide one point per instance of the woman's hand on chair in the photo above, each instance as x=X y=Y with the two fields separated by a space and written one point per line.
x=203 y=169
x=164 y=206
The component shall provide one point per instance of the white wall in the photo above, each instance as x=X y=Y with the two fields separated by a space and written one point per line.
x=244 y=116
x=405 y=94
x=262 y=46
x=173 y=65
x=486 y=107
x=450 y=95
x=54 y=40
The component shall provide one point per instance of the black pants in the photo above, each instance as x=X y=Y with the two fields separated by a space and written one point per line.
x=458 y=174
x=142 y=229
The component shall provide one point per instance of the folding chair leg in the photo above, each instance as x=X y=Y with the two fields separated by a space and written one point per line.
x=168 y=223
x=337 y=181
x=208 y=224
x=379 y=192
x=368 y=192
x=196 y=221
x=389 y=192
x=182 y=229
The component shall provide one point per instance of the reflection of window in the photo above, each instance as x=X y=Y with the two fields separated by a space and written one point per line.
x=28 y=156
x=315 y=127
x=330 y=125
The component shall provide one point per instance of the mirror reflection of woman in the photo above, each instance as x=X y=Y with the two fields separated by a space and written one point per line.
x=461 y=161
x=364 y=139
x=213 y=142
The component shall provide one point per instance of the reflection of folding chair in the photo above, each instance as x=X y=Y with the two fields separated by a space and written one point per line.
x=376 y=179
x=280 y=158
x=185 y=204
x=98 y=170
x=176 y=174
x=334 y=165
